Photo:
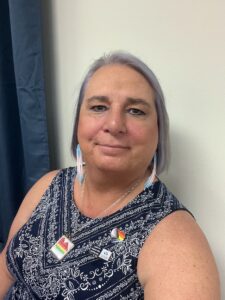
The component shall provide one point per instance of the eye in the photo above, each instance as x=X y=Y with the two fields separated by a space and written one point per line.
x=136 y=112
x=98 y=108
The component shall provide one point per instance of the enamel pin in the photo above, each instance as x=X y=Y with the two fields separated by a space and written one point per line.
x=117 y=235
x=62 y=247
x=95 y=250
x=105 y=254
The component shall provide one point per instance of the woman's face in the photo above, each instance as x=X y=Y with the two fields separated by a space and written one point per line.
x=117 y=128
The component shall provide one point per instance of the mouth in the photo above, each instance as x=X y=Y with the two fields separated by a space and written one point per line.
x=112 y=149
x=113 y=146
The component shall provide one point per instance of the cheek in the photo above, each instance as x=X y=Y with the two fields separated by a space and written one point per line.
x=146 y=135
x=87 y=129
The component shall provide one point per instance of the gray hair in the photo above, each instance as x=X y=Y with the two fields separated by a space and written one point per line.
x=124 y=58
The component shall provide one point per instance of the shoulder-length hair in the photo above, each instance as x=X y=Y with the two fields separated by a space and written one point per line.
x=124 y=58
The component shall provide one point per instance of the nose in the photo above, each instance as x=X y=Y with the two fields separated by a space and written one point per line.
x=115 y=122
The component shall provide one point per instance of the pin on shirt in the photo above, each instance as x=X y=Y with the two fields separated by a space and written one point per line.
x=117 y=235
x=62 y=247
x=95 y=250
x=105 y=254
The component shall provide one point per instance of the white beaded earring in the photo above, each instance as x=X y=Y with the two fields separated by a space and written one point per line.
x=80 y=169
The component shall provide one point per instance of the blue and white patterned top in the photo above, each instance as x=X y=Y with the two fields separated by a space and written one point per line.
x=81 y=274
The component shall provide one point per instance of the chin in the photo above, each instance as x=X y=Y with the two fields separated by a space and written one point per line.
x=113 y=167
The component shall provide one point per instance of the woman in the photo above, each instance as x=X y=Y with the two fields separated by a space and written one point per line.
x=110 y=229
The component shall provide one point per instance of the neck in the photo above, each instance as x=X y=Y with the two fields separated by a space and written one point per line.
x=101 y=192
x=102 y=182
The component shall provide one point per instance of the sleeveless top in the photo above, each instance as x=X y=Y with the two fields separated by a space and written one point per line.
x=82 y=274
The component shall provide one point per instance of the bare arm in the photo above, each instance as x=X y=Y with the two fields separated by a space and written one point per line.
x=28 y=205
x=176 y=262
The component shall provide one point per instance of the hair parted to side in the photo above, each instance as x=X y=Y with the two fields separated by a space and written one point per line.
x=124 y=58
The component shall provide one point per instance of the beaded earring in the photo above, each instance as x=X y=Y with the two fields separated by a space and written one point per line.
x=151 y=178
x=80 y=170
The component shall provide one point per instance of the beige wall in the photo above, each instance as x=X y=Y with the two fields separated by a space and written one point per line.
x=184 y=43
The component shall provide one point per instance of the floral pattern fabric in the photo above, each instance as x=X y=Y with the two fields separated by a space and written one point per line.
x=82 y=274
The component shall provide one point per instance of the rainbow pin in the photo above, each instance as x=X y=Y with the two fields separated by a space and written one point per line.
x=118 y=235
x=62 y=247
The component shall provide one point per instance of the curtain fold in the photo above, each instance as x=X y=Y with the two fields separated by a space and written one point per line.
x=24 y=155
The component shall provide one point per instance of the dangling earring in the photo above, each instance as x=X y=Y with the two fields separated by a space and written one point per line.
x=151 y=178
x=80 y=170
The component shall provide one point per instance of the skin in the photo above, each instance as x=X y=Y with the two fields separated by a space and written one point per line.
x=176 y=262
x=117 y=128
x=118 y=135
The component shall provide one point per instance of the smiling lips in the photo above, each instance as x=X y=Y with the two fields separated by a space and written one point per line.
x=112 y=149
x=113 y=146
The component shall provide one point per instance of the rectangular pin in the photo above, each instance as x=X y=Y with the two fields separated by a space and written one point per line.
x=62 y=247
x=105 y=254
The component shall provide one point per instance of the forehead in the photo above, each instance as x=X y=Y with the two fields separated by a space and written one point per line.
x=118 y=78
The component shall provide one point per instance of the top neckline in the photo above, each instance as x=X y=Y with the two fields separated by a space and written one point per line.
x=153 y=187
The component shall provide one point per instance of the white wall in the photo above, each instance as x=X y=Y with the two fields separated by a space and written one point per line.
x=184 y=43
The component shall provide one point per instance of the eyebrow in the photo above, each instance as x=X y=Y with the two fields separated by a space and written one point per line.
x=138 y=101
x=130 y=100
x=100 y=98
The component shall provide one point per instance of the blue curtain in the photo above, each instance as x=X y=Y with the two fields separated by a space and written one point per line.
x=24 y=155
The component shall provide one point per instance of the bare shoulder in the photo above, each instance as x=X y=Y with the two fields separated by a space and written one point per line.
x=30 y=201
x=176 y=261
x=35 y=193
